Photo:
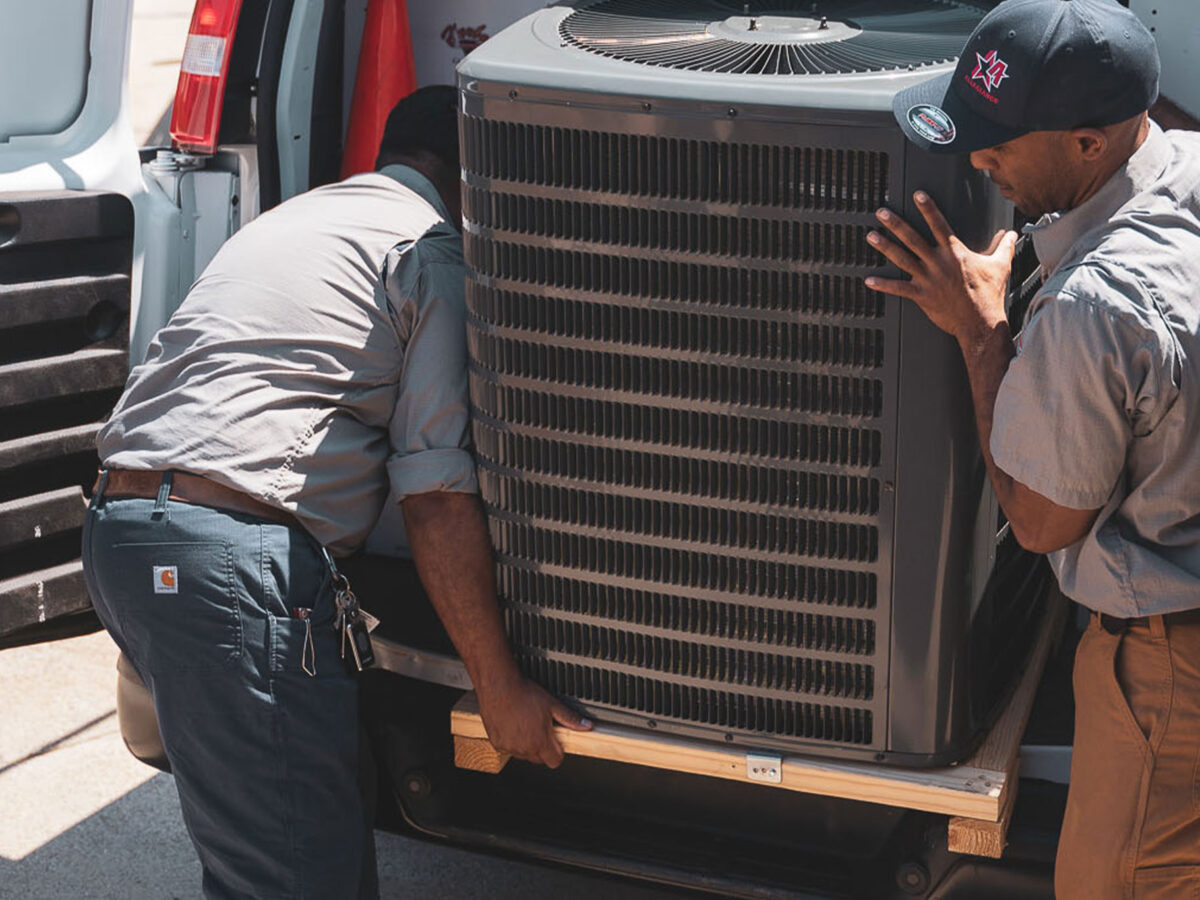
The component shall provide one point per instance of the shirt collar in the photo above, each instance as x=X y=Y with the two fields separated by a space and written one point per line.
x=1054 y=234
x=420 y=185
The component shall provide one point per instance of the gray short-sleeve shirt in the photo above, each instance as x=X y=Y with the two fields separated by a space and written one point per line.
x=1100 y=409
x=318 y=364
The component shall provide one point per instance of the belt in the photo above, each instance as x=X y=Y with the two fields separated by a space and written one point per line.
x=1117 y=625
x=194 y=489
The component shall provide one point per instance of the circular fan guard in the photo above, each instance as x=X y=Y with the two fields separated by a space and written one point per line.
x=774 y=37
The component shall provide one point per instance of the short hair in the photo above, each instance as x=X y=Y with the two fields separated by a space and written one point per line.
x=427 y=119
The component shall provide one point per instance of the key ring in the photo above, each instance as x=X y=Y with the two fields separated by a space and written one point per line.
x=353 y=622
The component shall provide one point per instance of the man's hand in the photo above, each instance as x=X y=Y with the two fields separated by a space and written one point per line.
x=962 y=292
x=450 y=546
x=519 y=718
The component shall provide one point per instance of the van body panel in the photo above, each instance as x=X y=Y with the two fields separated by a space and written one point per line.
x=71 y=195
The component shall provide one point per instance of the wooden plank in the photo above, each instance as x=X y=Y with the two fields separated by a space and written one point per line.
x=979 y=791
x=478 y=755
x=957 y=790
x=975 y=837
x=1000 y=749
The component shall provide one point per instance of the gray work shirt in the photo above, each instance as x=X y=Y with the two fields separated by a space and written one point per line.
x=318 y=364
x=1100 y=409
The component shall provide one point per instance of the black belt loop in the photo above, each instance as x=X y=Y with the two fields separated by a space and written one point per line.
x=1113 y=624
x=164 y=493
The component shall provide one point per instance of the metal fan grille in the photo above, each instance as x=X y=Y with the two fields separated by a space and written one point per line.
x=877 y=34
x=684 y=419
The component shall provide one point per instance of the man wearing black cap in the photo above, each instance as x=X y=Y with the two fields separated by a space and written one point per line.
x=311 y=385
x=1090 y=422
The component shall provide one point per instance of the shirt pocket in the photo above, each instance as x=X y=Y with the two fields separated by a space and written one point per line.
x=179 y=602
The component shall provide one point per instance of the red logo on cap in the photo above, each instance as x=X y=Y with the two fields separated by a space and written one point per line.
x=990 y=69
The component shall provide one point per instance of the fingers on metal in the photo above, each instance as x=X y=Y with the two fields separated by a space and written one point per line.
x=933 y=217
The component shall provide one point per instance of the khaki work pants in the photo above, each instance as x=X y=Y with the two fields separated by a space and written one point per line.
x=1132 y=828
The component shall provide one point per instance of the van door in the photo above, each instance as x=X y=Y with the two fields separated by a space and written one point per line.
x=70 y=196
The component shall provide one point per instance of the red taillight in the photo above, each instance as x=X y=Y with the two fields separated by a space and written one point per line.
x=196 y=116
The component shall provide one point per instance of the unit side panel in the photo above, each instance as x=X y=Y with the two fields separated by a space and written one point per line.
x=942 y=485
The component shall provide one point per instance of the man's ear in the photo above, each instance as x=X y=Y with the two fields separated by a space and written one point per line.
x=1089 y=143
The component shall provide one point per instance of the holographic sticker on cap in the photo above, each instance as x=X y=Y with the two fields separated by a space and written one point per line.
x=932 y=123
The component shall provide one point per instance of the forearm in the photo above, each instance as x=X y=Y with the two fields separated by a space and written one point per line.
x=1038 y=523
x=450 y=546
x=448 y=536
x=987 y=353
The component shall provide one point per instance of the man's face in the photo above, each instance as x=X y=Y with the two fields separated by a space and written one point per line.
x=1036 y=171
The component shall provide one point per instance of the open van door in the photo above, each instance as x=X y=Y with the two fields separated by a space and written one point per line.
x=70 y=195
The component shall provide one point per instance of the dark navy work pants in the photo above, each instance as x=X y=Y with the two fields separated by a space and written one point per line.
x=265 y=756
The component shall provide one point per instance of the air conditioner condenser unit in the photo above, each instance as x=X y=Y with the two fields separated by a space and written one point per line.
x=734 y=494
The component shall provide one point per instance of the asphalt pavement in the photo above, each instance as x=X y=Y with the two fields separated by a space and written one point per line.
x=81 y=818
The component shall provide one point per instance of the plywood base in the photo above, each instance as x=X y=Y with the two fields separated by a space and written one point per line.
x=979 y=794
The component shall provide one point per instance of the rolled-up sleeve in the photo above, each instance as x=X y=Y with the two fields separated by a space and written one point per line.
x=429 y=430
x=1084 y=383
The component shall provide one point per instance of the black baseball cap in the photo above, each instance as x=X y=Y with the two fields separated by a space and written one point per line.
x=427 y=119
x=1035 y=65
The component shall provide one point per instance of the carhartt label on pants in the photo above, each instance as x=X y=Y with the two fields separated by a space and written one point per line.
x=166 y=579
